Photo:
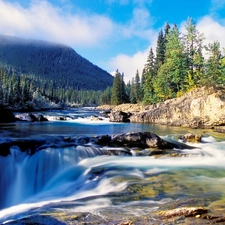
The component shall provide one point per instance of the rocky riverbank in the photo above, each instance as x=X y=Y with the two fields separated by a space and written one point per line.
x=200 y=108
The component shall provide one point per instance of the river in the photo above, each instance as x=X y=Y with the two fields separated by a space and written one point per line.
x=83 y=179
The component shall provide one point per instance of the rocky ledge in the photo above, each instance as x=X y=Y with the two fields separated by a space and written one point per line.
x=118 y=144
x=200 y=108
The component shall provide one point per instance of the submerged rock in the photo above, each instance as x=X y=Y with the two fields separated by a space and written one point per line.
x=190 y=137
x=185 y=211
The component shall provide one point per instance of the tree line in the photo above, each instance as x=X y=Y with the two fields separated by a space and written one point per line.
x=180 y=63
x=27 y=92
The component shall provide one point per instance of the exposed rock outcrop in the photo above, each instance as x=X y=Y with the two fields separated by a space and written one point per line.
x=200 y=108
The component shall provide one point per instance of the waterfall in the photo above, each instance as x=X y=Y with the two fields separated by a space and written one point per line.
x=23 y=176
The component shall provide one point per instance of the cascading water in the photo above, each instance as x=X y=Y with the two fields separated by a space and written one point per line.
x=23 y=176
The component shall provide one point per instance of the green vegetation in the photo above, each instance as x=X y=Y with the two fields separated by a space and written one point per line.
x=28 y=92
x=35 y=74
x=54 y=63
x=181 y=63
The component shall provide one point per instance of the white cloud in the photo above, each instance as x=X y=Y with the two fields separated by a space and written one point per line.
x=139 y=25
x=130 y=64
x=42 y=20
x=212 y=30
x=45 y=21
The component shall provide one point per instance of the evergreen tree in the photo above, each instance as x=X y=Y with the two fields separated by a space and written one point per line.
x=128 y=90
x=214 y=66
x=118 y=89
x=193 y=42
x=124 y=96
x=137 y=87
x=106 y=96
x=133 y=98
x=149 y=75
x=167 y=30
x=160 y=51
x=170 y=79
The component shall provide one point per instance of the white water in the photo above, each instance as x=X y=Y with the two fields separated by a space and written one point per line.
x=67 y=174
x=86 y=177
x=25 y=175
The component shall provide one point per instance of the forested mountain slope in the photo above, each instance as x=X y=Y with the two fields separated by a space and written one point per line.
x=57 y=63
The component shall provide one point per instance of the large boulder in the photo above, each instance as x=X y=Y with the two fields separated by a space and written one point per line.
x=119 y=116
x=138 y=139
x=6 y=116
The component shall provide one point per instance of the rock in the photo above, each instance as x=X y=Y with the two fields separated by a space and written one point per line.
x=201 y=108
x=139 y=139
x=131 y=108
x=189 y=137
x=105 y=113
x=118 y=151
x=119 y=116
x=6 y=116
x=41 y=118
x=144 y=140
x=103 y=140
x=31 y=117
x=25 y=145
x=220 y=129
x=105 y=107
x=185 y=211
x=26 y=117
x=96 y=118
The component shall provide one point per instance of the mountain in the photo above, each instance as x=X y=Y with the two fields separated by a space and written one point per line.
x=53 y=62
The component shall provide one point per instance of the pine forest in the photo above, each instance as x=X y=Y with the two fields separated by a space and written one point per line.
x=180 y=63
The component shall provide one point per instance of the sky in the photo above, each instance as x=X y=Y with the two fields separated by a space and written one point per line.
x=112 y=34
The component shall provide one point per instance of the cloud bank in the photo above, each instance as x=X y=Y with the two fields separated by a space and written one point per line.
x=212 y=30
x=45 y=21
x=42 y=20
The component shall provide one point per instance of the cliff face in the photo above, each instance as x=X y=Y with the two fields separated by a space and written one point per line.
x=203 y=107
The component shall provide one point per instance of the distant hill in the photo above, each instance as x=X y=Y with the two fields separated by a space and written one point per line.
x=50 y=61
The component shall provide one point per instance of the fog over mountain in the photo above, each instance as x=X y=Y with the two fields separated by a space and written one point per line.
x=57 y=63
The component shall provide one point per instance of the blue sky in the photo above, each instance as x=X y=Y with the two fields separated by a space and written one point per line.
x=113 y=34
